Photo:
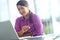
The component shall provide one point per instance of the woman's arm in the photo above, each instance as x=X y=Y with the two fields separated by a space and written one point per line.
x=37 y=25
x=21 y=34
x=24 y=29
x=28 y=34
x=18 y=27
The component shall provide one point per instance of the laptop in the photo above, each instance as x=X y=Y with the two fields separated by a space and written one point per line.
x=7 y=32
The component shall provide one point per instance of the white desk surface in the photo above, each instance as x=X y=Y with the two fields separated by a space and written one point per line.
x=30 y=37
x=46 y=37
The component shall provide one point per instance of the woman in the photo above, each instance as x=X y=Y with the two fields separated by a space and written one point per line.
x=28 y=24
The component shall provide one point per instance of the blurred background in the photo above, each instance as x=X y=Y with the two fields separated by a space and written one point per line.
x=47 y=10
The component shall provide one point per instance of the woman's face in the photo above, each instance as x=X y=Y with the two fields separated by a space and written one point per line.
x=23 y=10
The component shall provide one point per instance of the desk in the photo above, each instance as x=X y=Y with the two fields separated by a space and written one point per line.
x=44 y=37
x=32 y=38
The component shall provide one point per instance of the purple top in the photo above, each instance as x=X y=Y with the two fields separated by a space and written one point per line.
x=36 y=30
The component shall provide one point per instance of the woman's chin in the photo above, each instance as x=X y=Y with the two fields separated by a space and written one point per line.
x=23 y=15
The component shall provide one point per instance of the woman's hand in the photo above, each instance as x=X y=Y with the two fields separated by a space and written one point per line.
x=25 y=28
x=28 y=34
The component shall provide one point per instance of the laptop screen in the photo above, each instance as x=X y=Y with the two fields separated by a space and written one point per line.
x=6 y=31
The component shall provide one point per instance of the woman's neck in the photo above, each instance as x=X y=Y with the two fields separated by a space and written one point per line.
x=26 y=16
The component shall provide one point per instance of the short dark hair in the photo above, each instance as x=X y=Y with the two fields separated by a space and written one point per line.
x=22 y=3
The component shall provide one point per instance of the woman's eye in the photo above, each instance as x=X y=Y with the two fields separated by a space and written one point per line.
x=18 y=9
x=22 y=8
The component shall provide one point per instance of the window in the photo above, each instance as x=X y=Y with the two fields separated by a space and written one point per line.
x=4 y=11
